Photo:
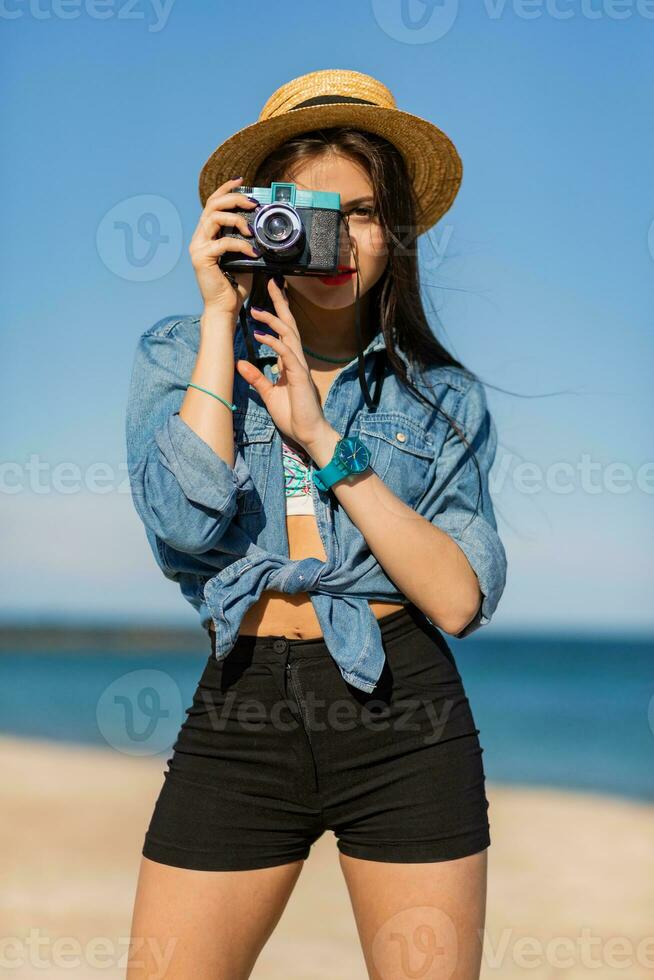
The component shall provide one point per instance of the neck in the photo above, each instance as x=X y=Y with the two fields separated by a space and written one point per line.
x=330 y=332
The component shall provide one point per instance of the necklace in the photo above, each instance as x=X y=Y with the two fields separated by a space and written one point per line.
x=322 y=357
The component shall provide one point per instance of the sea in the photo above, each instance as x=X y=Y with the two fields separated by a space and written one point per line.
x=574 y=712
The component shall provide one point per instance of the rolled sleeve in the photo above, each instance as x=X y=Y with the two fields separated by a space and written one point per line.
x=204 y=477
x=458 y=500
x=483 y=548
x=184 y=492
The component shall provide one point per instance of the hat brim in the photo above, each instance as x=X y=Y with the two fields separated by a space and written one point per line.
x=433 y=163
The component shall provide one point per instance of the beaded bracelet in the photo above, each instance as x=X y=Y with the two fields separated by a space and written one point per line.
x=231 y=407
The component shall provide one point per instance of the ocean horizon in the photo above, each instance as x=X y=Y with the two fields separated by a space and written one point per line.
x=570 y=711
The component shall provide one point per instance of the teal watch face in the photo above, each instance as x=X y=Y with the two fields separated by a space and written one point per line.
x=353 y=454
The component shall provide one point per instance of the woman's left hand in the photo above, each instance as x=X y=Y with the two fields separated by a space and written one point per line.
x=293 y=402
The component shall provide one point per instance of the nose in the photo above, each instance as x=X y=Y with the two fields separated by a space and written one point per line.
x=346 y=250
x=345 y=237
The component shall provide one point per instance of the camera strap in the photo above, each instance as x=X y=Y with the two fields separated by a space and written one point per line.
x=243 y=321
x=372 y=401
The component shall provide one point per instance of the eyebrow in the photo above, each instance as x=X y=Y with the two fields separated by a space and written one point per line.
x=358 y=200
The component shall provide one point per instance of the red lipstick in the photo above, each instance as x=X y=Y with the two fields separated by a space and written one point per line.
x=345 y=273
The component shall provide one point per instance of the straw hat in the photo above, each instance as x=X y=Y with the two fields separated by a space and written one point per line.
x=333 y=97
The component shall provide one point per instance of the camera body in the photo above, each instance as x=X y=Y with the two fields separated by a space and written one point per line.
x=298 y=231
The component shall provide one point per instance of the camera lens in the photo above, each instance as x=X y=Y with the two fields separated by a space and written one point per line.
x=277 y=227
x=279 y=230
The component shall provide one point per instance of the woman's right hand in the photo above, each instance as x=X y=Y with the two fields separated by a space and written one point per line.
x=205 y=249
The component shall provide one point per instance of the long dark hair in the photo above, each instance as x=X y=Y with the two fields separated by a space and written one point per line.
x=394 y=301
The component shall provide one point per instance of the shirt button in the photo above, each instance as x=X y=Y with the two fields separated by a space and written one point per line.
x=400 y=436
x=279 y=646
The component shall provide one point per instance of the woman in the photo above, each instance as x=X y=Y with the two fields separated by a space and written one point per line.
x=328 y=596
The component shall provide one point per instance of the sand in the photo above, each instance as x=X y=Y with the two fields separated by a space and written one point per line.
x=562 y=865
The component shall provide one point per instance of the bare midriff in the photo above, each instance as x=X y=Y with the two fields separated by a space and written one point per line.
x=293 y=616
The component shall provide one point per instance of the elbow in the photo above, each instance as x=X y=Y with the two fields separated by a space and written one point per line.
x=455 y=620
x=469 y=614
x=182 y=523
x=194 y=536
x=191 y=529
x=190 y=542
x=462 y=624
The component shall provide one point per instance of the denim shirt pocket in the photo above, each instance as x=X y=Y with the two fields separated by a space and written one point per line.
x=401 y=451
x=253 y=434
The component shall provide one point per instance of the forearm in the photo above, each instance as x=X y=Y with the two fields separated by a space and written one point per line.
x=424 y=562
x=214 y=370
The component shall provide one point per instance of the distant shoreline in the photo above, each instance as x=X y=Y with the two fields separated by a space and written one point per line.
x=101 y=639
x=57 y=637
x=555 y=710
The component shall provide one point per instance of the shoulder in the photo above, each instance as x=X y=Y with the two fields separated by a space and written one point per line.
x=457 y=391
x=462 y=415
x=458 y=379
x=183 y=329
x=471 y=413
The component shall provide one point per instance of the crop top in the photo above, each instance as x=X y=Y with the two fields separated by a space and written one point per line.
x=297 y=480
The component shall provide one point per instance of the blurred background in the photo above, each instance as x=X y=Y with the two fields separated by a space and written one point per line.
x=539 y=279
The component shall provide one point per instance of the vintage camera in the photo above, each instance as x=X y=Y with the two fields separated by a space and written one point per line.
x=298 y=231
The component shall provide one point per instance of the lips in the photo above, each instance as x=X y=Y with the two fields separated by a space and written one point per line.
x=344 y=274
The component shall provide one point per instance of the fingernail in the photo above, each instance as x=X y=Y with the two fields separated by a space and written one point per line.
x=253 y=199
x=250 y=227
x=260 y=309
x=256 y=249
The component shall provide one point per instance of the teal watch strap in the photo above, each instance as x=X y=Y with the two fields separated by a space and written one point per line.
x=329 y=474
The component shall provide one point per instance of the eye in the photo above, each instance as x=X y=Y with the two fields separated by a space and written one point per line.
x=363 y=210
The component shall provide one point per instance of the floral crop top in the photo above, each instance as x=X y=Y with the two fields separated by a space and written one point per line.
x=297 y=480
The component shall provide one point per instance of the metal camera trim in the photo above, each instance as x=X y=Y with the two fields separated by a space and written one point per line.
x=263 y=213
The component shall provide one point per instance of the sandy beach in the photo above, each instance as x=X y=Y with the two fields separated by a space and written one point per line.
x=571 y=877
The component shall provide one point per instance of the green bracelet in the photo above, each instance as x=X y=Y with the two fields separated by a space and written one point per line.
x=231 y=407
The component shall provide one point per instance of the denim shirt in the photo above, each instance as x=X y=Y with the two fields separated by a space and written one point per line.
x=220 y=531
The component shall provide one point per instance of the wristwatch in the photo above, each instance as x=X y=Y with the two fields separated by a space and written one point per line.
x=351 y=456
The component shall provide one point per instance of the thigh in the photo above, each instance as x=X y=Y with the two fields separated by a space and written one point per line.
x=209 y=924
x=234 y=797
x=406 y=783
x=419 y=920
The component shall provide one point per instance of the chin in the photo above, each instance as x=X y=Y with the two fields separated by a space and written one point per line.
x=325 y=297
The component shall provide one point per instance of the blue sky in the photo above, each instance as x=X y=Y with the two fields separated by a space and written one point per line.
x=542 y=271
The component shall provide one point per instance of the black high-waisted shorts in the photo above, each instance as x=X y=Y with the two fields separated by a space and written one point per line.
x=277 y=748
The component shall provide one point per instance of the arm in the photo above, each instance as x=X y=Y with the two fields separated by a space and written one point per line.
x=450 y=564
x=180 y=449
